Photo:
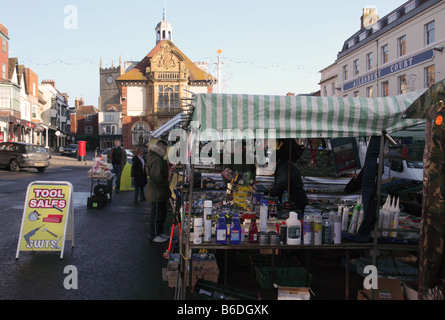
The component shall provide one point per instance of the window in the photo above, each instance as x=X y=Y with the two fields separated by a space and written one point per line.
x=429 y=33
x=385 y=88
x=140 y=134
x=410 y=6
x=109 y=129
x=369 y=92
x=356 y=67
x=88 y=118
x=369 y=62
x=88 y=129
x=109 y=118
x=3 y=71
x=325 y=91
x=4 y=42
x=351 y=43
x=401 y=84
x=333 y=89
x=401 y=45
x=385 y=53
x=356 y=94
x=345 y=73
x=168 y=97
x=34 y=111
x=392 y=18
x=430 y=76
x=362 y=36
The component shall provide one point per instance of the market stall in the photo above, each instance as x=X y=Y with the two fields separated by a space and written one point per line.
x=222 y=117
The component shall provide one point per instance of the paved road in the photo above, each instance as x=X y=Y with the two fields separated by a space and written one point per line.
x=112 y=255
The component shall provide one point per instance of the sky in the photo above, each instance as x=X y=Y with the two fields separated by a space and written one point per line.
x=268 y=47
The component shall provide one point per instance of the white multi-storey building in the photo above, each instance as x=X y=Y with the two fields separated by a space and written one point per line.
x=396 y=54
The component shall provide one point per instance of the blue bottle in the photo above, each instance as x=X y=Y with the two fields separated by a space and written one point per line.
x=235 y=230
x=221 y=230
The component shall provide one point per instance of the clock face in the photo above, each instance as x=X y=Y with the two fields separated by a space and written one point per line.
x=110 y=79
x=370 y=20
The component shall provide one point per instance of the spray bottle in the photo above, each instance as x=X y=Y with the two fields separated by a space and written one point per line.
x=337 y=229
x=207 y=221
x=235 y=230
x=361 y=215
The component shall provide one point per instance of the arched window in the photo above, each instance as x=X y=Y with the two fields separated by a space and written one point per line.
x=140 y=134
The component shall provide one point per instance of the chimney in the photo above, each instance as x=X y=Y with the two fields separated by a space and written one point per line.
x=51 y=82
x=81 y=102
x=76 y=103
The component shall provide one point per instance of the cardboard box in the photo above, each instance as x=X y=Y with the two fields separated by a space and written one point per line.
x=291 y=293
x=388 y=289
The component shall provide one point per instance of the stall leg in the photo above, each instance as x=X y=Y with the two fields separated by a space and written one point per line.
x=347 y=276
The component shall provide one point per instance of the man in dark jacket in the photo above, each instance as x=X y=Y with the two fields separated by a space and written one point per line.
x=138 y=175
x=118 y=159
x=158 y=190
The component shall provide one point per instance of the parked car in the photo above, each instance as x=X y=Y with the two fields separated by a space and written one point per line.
x=17 y=155
x=104 y=155
x=70 y=150
x=403 y=169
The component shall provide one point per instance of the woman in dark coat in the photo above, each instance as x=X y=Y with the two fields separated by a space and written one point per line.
x=138 y=175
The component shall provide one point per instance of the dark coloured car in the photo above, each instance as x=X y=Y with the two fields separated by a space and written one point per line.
x=17 y=155
x=70 y=150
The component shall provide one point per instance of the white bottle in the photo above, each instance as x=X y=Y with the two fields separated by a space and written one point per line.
x=264 y=211
x=197 y=227
x=387 y=217
x=293 y=229
x=337 y=229
x=345 y=218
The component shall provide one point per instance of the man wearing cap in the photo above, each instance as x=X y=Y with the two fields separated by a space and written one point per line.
x=158 y=190
x=118 y=159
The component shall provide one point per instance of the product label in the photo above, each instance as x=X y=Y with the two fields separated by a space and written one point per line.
x=293 y=232
x=221 y=235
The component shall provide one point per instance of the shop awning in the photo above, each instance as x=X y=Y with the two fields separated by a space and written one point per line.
x=169 y=125
x=300 y=116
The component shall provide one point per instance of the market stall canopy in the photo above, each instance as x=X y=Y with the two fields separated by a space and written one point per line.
x=229 y=115
x=169 y=125
x=422 y=107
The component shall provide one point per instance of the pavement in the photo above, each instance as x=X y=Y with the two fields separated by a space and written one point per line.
x=58 y=159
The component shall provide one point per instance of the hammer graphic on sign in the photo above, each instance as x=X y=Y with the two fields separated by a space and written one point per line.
x=46 y=229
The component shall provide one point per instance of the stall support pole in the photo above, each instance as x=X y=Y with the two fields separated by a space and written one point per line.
x=377 y=207
x=186 y=235
x=347 y=276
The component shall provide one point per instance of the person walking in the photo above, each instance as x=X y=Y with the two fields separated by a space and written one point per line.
x=139 y=175
x=158 y=190
x=118 y=159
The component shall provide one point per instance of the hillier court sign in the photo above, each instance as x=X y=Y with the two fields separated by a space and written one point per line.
x=392 y=68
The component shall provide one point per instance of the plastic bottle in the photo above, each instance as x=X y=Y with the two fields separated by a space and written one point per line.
x=361 y=215
x=307 y=229
x=221 y=230
x=253 y=232
x=264 y=211
x=293 y=229
x=235 y=230
x=197 y=226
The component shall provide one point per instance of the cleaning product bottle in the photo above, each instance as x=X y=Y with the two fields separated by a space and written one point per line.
x=293 y=229
x=361 y=215
x=264 y=211
x=197 y=226
x=235 y=230
x=283 y=232
x=253 y=232
x=337 y=229
x=221 y=230
x=345 y=218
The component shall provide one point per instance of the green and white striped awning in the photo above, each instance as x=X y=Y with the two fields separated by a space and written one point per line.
x=225 y=116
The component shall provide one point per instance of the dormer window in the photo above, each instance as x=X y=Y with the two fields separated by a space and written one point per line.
x=392 y=18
